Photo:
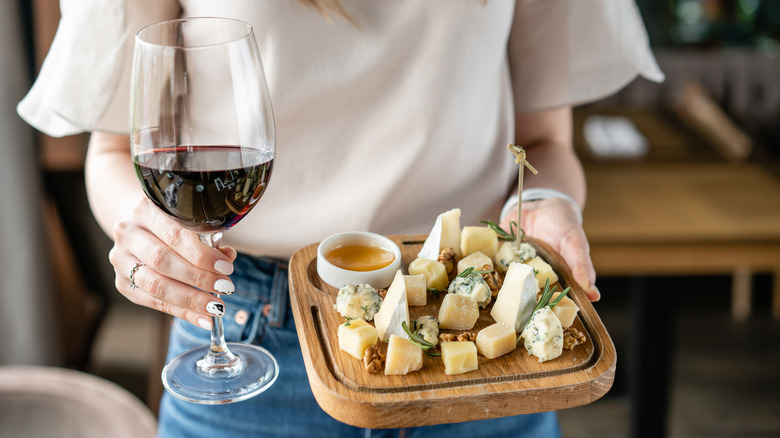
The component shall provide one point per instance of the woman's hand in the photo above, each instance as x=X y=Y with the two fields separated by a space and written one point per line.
x=556 y=222
x=178 y=270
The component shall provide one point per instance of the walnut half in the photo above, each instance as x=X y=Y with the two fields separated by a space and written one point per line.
x=572 y=337
x=460 y=337
x=374 y=359
x=492 y=279
x=448 y=258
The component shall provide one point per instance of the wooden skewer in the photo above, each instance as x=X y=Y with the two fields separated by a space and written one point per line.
x=522 y=163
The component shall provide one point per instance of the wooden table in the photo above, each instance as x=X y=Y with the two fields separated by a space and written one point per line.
x=672 y=218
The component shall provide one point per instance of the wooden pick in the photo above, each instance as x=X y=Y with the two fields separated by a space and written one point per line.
x=522 y=163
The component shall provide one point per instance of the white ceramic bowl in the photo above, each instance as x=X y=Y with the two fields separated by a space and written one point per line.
x=338 y=277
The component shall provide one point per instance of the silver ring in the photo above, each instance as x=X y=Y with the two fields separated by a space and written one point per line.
x=132 y=274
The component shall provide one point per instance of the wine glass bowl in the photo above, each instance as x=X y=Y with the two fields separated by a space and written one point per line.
x=203 y=146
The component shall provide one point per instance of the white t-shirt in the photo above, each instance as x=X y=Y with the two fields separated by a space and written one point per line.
x=379 y=126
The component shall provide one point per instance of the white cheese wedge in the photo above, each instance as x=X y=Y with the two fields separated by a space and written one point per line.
x=517 y=297
x=458 y=312
x=434 y=272
x=566 y=310
x=355 y=336
x=416 y=290
x=444 y=234
x=482 y=239
x=459 y=357
x=476 y=260
x=394 y=310
x=496 y=340
x=544 y=271
x=543 y=335
x=403 y=356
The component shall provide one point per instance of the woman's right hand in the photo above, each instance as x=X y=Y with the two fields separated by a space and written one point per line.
x=177 y=270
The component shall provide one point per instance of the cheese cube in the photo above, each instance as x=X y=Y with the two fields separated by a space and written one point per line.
x=356 y=337
x=476 y=260
x=394 y=310
x=565 y=310
x=416 y=290
x=459 y=357
x=496 y=340
x=543 y=270
x=482 y=239
x=403 y=356
x=434 y=272
x=517 y=298
x=445 y=234
x=458 y=312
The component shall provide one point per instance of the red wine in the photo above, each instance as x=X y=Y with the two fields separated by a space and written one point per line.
x=206 y=188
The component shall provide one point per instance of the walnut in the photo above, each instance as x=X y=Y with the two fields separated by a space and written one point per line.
x=447 y=337
x=382 y=292
x=460 y=337
x=374 y=359
x=448 y=258
x=467 y=336
x=492 y=279
x=572 y=337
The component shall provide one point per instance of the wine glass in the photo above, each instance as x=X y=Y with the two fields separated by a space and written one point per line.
x=203 y=145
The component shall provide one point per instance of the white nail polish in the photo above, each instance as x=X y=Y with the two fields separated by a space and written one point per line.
x=215 y=308
x=223 y=267
x=224 y=286
x=204 y=323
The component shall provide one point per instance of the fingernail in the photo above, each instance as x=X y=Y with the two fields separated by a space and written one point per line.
x=215 y=308
x=204 y=323
x=224 y=286
x=597 y=292
x=223 y=267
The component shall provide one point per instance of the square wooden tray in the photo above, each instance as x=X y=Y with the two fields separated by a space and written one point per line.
x=513 y=384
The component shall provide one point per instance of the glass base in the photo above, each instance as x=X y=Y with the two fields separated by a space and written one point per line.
x=182 y=378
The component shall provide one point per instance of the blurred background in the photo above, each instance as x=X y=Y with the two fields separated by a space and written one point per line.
x=683 y=217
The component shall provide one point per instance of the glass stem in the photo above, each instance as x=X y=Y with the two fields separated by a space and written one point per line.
x=219 y=361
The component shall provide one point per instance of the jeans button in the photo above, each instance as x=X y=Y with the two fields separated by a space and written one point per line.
x=241 y=317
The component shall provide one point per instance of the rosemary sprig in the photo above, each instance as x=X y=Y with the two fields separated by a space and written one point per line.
x=348 y=321
x=510 y=236
x=470 y=270
x=419 y=341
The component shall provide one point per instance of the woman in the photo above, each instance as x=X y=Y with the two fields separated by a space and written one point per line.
x=387 y=114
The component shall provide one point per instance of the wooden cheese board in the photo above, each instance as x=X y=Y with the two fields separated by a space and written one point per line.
x=513 y=384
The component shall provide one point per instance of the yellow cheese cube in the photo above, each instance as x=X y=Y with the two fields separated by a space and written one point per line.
x=458 y=312
x=356 y=337
x=459 y=357
x=416 y=290
x=543 y=271
x=565 y=310
x=434 y=272
x=403 y=357
x=476 y=260
x=483 y=239
x=496 y=340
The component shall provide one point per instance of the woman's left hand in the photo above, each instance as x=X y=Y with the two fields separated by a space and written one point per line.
x=556 y=222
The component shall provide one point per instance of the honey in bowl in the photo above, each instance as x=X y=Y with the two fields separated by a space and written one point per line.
x=360 y=258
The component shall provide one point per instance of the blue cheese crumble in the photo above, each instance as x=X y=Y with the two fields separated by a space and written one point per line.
x=543 y=335
x=361 y=301
x=427 y=327
x=508 y=254
x=472 y=286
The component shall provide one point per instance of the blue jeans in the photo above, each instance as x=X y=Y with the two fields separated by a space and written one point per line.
x=288 y=408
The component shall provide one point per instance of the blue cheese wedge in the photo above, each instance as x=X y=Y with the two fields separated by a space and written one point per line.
x=543 y=335
x=394 y=310
x=517 y=297
x=472 y=286
x=361 y=301
x=444 y=234
x=509 y=253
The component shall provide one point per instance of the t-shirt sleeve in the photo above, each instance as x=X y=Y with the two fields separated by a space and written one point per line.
x=84 y=82
x=571 y=52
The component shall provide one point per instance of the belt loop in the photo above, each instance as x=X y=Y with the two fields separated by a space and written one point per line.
x=279 y=293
